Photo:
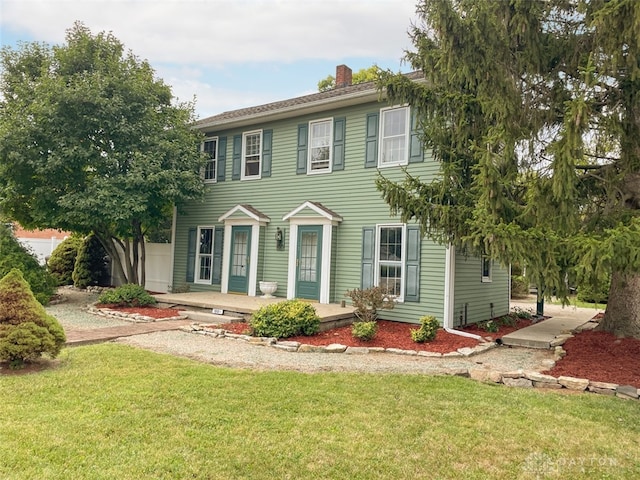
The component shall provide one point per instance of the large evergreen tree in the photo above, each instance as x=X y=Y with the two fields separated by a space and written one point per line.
x=91 y=142
x=532 y=109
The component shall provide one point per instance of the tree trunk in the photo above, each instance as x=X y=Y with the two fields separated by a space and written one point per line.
x=622 y=316
x=112 y=251
x=143 y=262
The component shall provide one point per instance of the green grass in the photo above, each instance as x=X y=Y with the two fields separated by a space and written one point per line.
x=112 y=411
x=574 y=302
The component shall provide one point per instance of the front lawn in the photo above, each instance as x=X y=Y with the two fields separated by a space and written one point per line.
x=112 y=411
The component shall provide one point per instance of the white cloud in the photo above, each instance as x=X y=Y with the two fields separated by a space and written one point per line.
x=223 y=31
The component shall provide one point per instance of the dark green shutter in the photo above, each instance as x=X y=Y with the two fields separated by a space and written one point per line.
x=191 y=253
x=218 y=242
x=267 y=141
x=303 y=139
x=371 y=152
x=412 y=264
x=338 y=143
x=368 y=257
x=237 y=157
x=222 y=158
x=416 y=152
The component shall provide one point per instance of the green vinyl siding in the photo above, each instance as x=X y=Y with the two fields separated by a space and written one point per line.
x=350 y=192
x=477 y=300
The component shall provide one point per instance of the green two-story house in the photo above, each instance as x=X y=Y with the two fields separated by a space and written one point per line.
x=291 y=198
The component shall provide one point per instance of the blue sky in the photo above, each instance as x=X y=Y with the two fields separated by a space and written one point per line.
x=230 y=54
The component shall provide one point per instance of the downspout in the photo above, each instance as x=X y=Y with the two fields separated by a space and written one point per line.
x=449 y=293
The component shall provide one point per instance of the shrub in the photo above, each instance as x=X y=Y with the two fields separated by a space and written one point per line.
x=522 y=313
x=368 y=301
x=508 y=320
x=490 y=326
x=364 y=330
x=26 y=330
x=128 y=295
x=63 y=260
x=14 y=255
x=91 y=263
x=519 y=287
x=595 y=293
x=429 y=326
x=285 y=319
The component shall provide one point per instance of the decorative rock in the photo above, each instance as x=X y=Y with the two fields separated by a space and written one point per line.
x=514 y=374
x=560 y=340
x=560 y=352
x=286 y=348
x=603 y=385
x=601 y=391
x=459 y=372
x=479 y=374
x=546 y=385
x=540 y=377
x=627 y=391
x=452 y=354
x=429 y=354
x=517 y=382
x=376 y=349
x=288 y=343
x=399 y=351
x=304 y=348
x=495 y=376
x=466 y=351
x=335 y=348
x=548 y=363
x=574 y=383
x=357 y=350
x=483 y=347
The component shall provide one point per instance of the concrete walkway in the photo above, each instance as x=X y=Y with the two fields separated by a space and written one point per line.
x=86 y=336
x=541 y=335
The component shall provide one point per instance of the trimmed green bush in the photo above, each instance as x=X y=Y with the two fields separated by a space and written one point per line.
x=368 y=301
x=91 y=263
x=26 y=330
x=14 y=255
x=285 y=319
x=364 y=330
x=63 y=260
x=128 y=295
x=429 y=326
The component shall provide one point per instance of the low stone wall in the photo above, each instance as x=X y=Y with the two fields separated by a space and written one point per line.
x=518 y=378
x=129 y=317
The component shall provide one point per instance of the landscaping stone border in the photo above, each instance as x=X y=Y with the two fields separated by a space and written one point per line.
x=129 y=317
x=518 y=378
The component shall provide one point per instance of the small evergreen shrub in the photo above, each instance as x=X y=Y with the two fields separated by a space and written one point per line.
x=285 y=319
x=128 y=295
x=429 y=326
x=519 y=287
x=368 y=301
x=63 y=260
x=598 y=293
x=14 y=255
x=490 y=326
x=26 y=330
x=364 y=330
x=91 y=263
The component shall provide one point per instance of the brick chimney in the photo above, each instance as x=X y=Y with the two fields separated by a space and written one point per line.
x=343 y=76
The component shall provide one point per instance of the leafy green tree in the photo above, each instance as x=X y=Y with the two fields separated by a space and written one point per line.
x=91 y=264
x=63 y=259
x=90 y=141
x=14 y=255
x=361 y=76
x=26 y=330
x=532 y=109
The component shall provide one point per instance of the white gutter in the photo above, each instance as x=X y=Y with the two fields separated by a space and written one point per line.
x=449 y=291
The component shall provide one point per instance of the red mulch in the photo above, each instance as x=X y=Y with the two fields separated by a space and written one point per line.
x=153 y=312
x=503 y=330
x=601 y=357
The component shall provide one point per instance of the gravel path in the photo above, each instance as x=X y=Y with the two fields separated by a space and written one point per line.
x=72 y=314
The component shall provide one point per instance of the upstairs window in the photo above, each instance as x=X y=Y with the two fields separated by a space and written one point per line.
x=210 y=148
x=320 y=142
x=394 y=137
x=251 y=155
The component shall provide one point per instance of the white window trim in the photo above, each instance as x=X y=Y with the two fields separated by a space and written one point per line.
x=215 y=178
x=309 y=148
x=400 y=298
x=407 y=138
x=486 y=278
x=196 y=277
x=243 y=159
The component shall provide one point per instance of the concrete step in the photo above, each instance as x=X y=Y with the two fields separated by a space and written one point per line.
x=541 y=334
x=205 y=317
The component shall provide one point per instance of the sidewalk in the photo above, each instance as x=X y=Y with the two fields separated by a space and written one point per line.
x=86 y=336
x=540 y=335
